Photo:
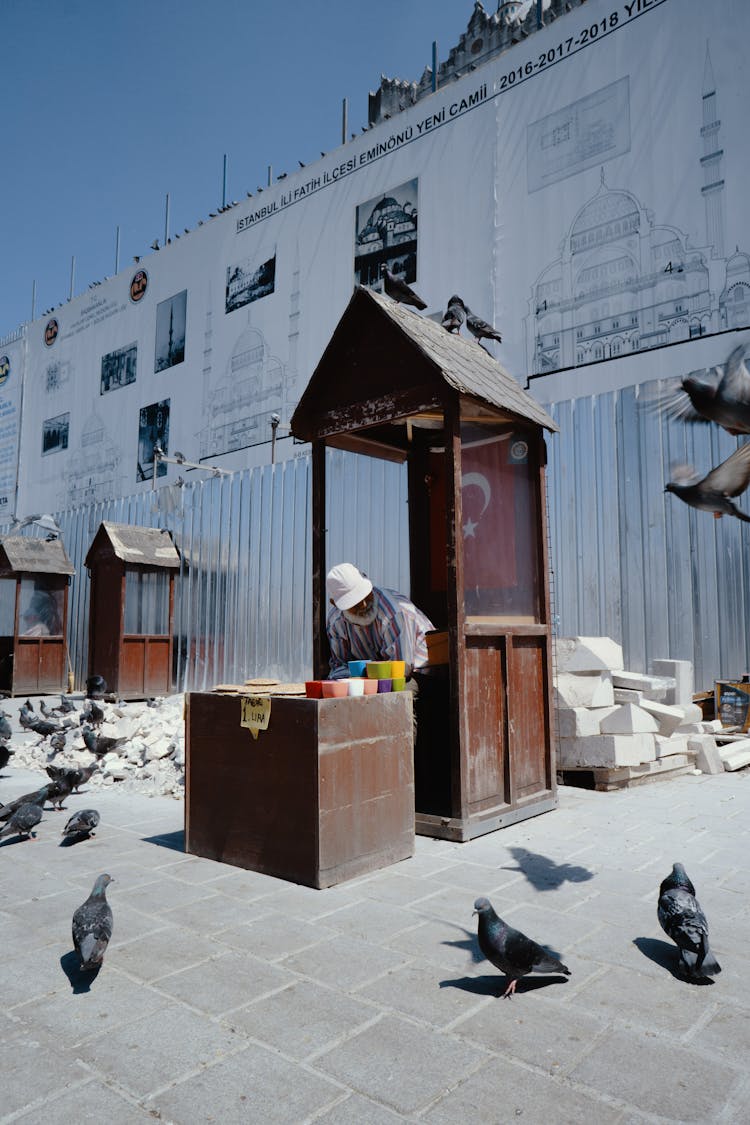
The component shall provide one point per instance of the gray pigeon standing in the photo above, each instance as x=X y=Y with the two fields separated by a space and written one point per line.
x=681 y=918
x=23 y=820
x=5 y=754
x=509 y=950
x=712 y=493
x=399 y=291
x=92 y=925
x=38 y=797
x=721 y=395
x=81 y=823
x=454 y=315
x=479 y=328
x=74 y=776
x=6 y=731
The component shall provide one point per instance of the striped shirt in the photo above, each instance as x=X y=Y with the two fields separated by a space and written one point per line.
x=397 y=633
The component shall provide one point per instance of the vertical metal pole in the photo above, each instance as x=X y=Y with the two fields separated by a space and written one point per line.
x=72 y=276
x=117 y=251
x=270 y=174
x=344 y=120
x=224 y=184
x=166 y=221
x=33 y=299
x=539 y=20
x=435 y=65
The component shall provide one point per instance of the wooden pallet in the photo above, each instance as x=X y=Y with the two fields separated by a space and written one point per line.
x=606 y=779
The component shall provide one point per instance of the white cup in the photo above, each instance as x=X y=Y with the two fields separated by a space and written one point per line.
x=356 y=687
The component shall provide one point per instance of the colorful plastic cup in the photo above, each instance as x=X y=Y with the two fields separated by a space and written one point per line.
x=398 y=669
x=370 y=687
x=357 y=667
x=398 y=683
x=335 y=689
x=384 y=686
x=356 y=686
x=314 y=689
x=379 y=669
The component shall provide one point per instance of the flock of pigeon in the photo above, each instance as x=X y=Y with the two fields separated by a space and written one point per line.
x=678 y=911
x=92 y=921
x=455 y=315
x=722 y=395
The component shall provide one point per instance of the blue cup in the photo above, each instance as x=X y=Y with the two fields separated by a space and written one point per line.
x=357 y=667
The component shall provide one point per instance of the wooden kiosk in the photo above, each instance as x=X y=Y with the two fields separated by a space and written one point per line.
x=132 y=608
x=397 y=385
x=34 y=578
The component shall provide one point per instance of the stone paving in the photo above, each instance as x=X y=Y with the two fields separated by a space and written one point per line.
x=230 y=996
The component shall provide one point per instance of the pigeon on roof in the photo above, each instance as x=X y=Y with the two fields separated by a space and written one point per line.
x=681 y=918
x=399 y=291
x=454 y=315
x=713 y=492
x=92 y=925
x=509 y=950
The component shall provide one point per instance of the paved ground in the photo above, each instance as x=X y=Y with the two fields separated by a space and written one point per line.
x=230 y=996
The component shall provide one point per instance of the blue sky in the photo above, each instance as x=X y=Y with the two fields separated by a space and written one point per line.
x=107 y=106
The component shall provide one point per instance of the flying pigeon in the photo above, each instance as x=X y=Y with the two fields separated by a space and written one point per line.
x=399 y=291
x=712 y=493
x=454 y=315
x=511 y=951
x=92 y=925
x=720 y=395
x=23 y=820
x=681 y=918
x=81 y=823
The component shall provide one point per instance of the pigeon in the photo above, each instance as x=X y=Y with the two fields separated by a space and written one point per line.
x=5 y=754
x=6 y=730
x=720 y=395
x=44 y=727
x=66 y=706
x=480 y=329
x=100 y=744
x=511 y=951
x=399 y=291
x=46 y=711
x=74 y=775
x=92 y=713
x=23 y=820
x=38 y=797
x=92 y=925
x=712 y=493
x=27 y=716
x=96 y=687
x=681 y=918
x=81 y=823
x=57 y=741
x=454 y=315
x=57 y=791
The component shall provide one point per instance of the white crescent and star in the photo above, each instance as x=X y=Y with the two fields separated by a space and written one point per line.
x=481 y=482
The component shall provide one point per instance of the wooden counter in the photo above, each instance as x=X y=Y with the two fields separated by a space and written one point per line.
x=326 y=793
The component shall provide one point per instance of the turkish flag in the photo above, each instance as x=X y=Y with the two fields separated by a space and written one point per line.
x=488 y=478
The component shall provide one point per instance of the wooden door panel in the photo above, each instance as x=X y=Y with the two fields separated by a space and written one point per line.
x=484 y=720
x=156 y=679
x=528 y=721
x=132 y=663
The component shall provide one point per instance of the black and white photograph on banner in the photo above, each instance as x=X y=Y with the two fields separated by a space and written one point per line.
x=170 y=331
x=247 y=281
x=386 y=233
x=55 y=434
x=118 y=368
x=153 y=427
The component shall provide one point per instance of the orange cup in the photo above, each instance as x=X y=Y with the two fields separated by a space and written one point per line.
x=313 y=689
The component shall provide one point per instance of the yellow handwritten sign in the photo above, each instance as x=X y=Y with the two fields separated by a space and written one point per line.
x=256 y=713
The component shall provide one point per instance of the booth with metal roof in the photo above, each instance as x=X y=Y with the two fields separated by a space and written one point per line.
x=396 y=385
x=34 y=579
x=132 y=608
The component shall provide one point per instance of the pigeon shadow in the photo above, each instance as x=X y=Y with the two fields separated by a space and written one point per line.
x=69 y=841
x=79 y=981
x=543 y=873
x=469 y=944
x=495 y=986
x=667 y=957
x=7 y=841
x=173 y=840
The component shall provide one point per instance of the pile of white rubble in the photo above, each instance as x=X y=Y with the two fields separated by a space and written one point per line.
x=150 y=759
x=647 y=724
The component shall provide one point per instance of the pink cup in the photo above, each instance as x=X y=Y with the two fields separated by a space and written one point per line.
x=370 y=687
x=335 y=689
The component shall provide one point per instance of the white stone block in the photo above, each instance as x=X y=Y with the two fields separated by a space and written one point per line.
x=586 y=654
x=712 y=726
x=606 y=750
x=735 y=755
x=707 y=756
x=575 y=689
x=668 y=718
x=628 y=695
x=692 y=712
x=681 y=671
x=690 y=728
x=579 y=722
x=629 y=719
x=675 y=744
x=654 y=687
x=161 y=749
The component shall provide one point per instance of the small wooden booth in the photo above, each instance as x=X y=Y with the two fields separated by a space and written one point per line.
x=396 y=385
x=131 y=608
x=34 y=579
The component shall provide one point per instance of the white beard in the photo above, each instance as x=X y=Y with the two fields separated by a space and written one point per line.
x=362 y=618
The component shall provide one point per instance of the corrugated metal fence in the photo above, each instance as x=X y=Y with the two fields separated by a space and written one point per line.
x=633 y=562
x=243 y=595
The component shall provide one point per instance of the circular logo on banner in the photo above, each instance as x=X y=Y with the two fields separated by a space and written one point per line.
x=50 y=332
x=519 y=451
x=138 y=286
x=4 y=369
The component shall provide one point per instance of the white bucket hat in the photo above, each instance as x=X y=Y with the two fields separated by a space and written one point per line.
x=347 y=586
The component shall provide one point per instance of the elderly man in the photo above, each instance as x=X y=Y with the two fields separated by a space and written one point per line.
x=366 y=622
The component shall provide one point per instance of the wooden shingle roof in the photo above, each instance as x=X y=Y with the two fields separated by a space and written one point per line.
x=27 y=554
x=147 y=546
